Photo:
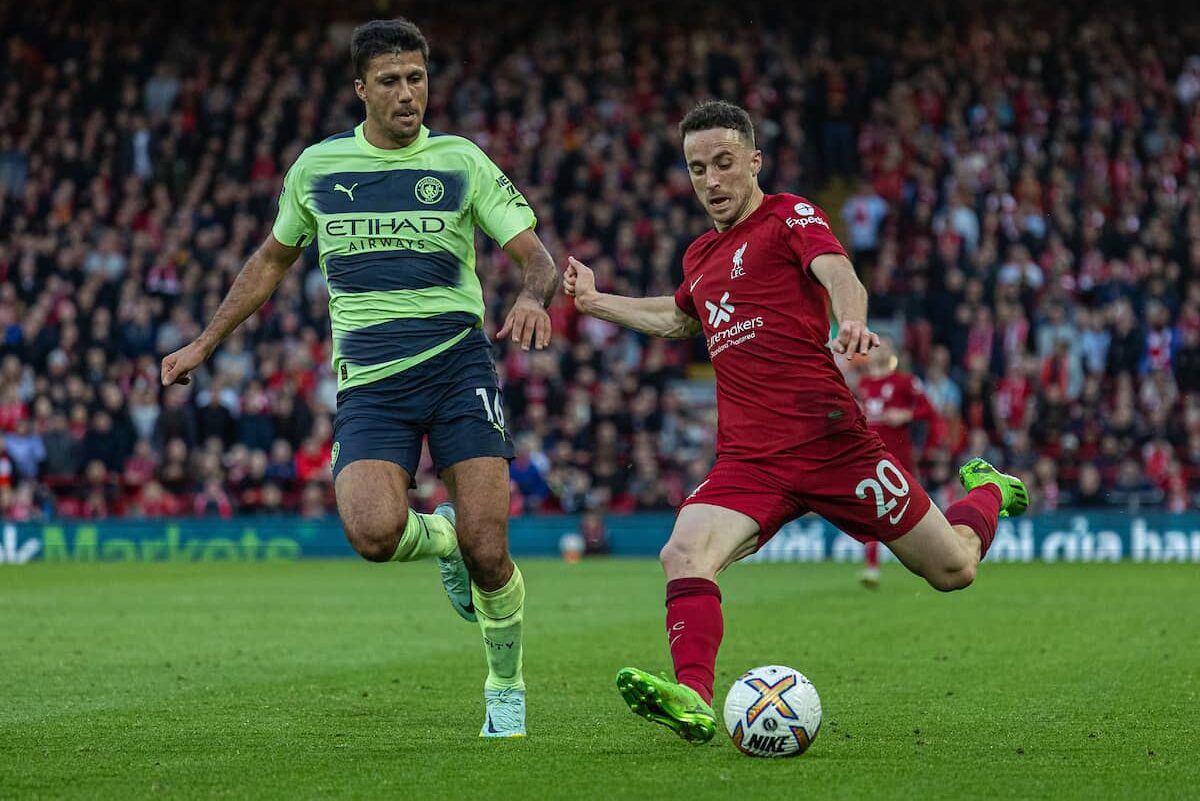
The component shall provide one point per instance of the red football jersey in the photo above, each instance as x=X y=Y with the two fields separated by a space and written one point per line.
x=896 y=390
x=765 y=318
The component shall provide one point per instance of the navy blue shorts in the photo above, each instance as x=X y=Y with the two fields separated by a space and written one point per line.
x=453 y=398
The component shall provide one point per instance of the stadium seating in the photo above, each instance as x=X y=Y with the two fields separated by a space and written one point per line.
x=1023 y=208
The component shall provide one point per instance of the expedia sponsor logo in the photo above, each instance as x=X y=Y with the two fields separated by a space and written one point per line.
x=804 y=222
x=384 y=226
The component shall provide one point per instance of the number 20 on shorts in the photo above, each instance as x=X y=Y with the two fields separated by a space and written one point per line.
x=887 y=486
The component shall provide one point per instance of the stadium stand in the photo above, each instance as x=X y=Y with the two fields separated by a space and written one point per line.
x=1023 y=201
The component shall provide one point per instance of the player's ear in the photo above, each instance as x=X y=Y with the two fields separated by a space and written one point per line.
x=360 y=89
x=755 y=162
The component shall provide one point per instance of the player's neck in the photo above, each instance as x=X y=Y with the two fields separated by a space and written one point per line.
x=379 y=139
x=755 y=200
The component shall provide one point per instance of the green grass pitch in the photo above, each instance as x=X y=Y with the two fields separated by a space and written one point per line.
x=349 y=680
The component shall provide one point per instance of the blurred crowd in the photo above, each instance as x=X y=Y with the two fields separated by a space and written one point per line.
x=1021 y=198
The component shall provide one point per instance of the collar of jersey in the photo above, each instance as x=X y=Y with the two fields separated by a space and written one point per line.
x=397 y=153
x=760 y=210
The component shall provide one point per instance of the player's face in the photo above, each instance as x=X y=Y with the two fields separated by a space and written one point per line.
x=396 y=91
x=724 y=170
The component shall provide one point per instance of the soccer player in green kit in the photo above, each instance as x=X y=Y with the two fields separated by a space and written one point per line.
x=393 y=209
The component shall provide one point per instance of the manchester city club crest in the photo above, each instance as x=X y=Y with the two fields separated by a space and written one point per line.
x=430 y=190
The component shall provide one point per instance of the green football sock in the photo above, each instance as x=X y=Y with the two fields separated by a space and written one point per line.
x=425 y=536
x=500 y=613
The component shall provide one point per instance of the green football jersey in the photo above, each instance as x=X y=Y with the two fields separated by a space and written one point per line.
x=395 y=231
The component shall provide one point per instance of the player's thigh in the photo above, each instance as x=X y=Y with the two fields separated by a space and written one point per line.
x=372 y=501
x=706 y=539
x=376 y=448
x=738 y=506
x=934 y=550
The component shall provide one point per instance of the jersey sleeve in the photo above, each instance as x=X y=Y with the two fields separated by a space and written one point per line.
x=808 y=233
x=683 y=295
x=294 y=224
x=499 y=209
x=685 y=301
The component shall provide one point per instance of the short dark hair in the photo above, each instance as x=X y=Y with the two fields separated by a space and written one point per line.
x=381 y=37
x=717 y=114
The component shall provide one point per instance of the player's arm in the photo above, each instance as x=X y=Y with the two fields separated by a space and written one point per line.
x=527 y=320
x=848 y=297
x=659 y=316
x=254 y=284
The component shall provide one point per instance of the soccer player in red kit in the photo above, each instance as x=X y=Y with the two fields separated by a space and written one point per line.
x=891 y=400
x=790 y=436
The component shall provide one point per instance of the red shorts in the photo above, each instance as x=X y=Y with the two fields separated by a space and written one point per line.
x=847 y=478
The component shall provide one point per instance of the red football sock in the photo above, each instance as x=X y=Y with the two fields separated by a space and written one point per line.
x=979 y=511
x=873 y=555
x=694 y=630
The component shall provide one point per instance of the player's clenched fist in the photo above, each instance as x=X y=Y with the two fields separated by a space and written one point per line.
x=854 y=337
x=176 y=367
x=578 y=280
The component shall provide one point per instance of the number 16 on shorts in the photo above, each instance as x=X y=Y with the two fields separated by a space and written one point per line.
x=887 y=488
x=493 y=407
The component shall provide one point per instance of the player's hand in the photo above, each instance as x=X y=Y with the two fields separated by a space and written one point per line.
x=528 y=323
x=579 y=282
x=854 y=337
x=897 y=417
x=177 y=366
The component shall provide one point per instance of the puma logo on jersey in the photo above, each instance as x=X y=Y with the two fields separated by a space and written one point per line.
x=349 y=192
x=719 y=314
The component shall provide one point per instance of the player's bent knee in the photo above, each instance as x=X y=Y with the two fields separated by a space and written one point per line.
x=686 y=555
x=487 y=560
x=374 y=537
x=674 y=555
x=951 y=580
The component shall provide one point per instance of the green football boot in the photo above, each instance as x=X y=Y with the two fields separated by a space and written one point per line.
x=676 y=706
x=1014 y=496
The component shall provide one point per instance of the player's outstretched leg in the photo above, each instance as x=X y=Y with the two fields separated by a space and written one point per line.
x=705 y=540
x=480 y=488
x=946 y=549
